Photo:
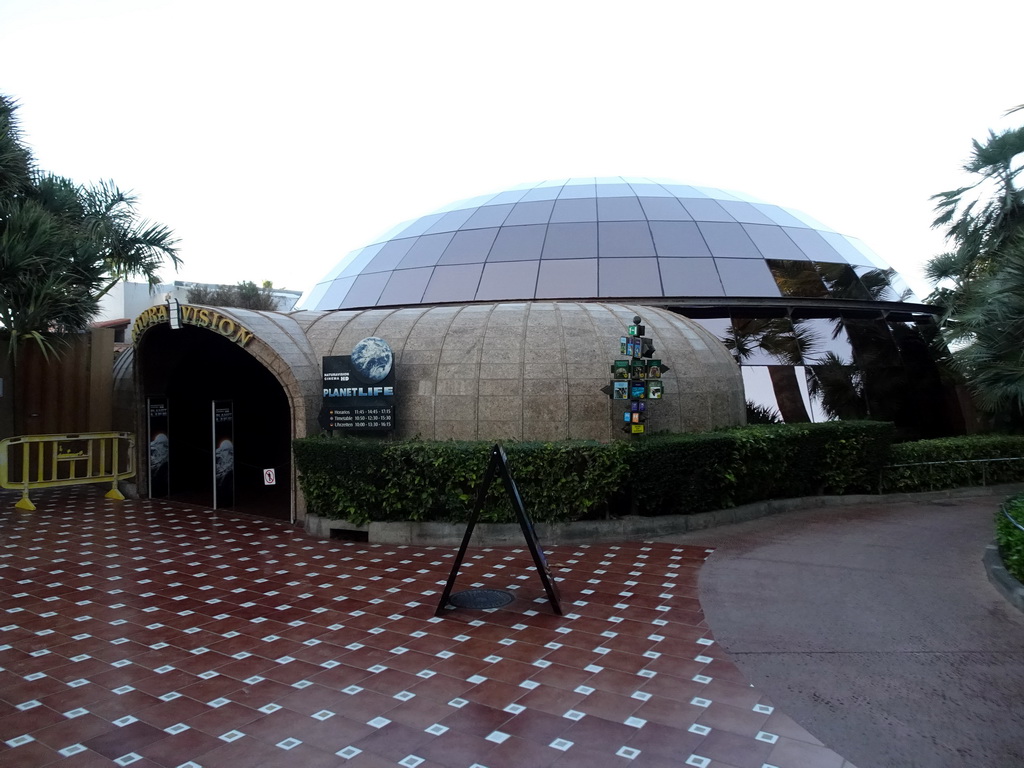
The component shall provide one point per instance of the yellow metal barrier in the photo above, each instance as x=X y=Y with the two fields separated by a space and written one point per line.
x=48 y=461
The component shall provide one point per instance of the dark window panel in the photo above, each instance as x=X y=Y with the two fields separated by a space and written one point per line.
x=453 y=283
x=664 y=209
x=678 y=239
x=571 y=241
x=902 y=288
x=469 y=246
x=574 y=210
x=728 y=241
x=426 y=251
x=716 y=326
x=745 y=277
x=366 y=290
x=878 y=283
x=843 y=283
x=508 y=280
x=518 y=243
x=706 y=210
x=774 y=243
x=537 y=212
x=814 y=245
x=628 y=277
x=824 y=340
x=798 y=279
x=567 y=279
x=690 y=277
x=488 y=216
x=451 y=221
x=758 y=388
x=406 y=286
x=619 y=209
x=390 y=254
x=618 y=239
x=744 y=212
x=763 y=341
x=873 y=345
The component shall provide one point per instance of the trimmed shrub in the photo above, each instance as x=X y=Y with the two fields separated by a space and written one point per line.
x=674 y=474
x=360 y=480
x=1011 y=538
x=954 y=462
x=363 y=480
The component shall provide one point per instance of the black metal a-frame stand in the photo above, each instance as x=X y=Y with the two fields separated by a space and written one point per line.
x=499 y=465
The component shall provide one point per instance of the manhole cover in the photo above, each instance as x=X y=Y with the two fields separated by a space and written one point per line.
x=480 y=599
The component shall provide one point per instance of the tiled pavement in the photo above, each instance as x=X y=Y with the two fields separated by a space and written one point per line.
x=152 y=634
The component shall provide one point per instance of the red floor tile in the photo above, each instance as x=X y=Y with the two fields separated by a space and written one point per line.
x=163 y=635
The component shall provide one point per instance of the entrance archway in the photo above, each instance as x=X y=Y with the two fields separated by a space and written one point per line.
x=191 y=368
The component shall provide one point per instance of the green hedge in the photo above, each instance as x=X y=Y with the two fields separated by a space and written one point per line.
x=954 y=462
x=364 y=479
x=698 y=472
x=1010 y=538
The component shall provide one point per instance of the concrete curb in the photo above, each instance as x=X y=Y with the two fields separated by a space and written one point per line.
x=1001 y=578
x=629 y=528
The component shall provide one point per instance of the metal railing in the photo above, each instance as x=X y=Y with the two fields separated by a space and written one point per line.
x=48 y=461
x=1008 y=516
x=947 y=462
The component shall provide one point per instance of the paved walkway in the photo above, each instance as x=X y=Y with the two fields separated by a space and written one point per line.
x=150 y=634
x=876 y=629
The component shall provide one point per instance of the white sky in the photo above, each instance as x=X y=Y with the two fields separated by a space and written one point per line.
x=276 y=137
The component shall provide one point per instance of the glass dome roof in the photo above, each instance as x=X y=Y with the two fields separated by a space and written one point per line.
x=607 y=238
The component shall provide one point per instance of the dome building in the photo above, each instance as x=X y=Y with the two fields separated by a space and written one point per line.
x=503 y=315
x=820 y=325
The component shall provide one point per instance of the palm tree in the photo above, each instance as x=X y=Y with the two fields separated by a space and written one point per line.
x=64 y=245
x=993 y=323
x=980 y=282
x=978 y=228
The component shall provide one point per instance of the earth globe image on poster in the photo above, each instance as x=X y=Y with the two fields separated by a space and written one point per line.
x=372 y=359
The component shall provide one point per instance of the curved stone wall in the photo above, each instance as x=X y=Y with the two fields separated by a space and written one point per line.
x=533 y=370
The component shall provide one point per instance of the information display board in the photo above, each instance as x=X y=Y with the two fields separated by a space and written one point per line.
x=223 y=429
x=359 y=389
x=637 y=378
x=159 y=448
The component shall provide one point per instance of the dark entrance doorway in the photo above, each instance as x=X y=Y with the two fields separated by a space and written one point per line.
x=192 y=368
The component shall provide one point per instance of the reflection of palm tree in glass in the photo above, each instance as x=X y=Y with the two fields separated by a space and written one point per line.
x=876 y=385
x=778 y=338
x=838 y=387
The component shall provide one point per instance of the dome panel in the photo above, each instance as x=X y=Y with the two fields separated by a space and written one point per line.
x=623 y=234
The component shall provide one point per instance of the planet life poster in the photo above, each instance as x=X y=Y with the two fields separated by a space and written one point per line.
x=223 y=454
x=159 y=448
x=359 y=389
